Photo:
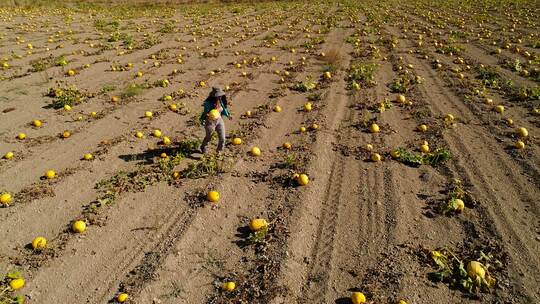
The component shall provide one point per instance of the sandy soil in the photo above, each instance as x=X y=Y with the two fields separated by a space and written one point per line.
x=359 y=225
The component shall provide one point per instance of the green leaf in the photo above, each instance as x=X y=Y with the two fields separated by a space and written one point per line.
x=438 y=276
x=462 y=271
x=258 y=236
x=484 y=257
x=438 y=156
x=409 y=158
x=18 y=300
x=447 y=207
x=467 y=284
x=14 y=274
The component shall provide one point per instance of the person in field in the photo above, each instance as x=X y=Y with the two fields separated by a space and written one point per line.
x=215 y=107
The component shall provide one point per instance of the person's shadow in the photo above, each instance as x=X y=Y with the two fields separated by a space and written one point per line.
x=148 y=155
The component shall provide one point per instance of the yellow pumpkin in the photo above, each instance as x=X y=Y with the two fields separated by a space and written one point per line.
x=213 y=114
x=257 y=224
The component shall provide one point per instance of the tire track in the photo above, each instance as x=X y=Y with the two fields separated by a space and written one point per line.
x=321 y=255
x=390 y=208
x=374 y=205
x=153 y=257
x=482 y=181
x=501 y=159
x=466 y=111
x=173 y=223
x=523 y=256
x=471 y=171
x=367 y=232
x=376 y=214
x=474 y=173
x=318 y=273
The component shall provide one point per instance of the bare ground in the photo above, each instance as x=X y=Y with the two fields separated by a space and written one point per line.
x=358 y=225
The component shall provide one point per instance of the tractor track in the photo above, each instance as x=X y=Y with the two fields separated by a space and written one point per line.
x=501 y=159
x=319 y=268
x=473 y=173
x=321 y=255
x=466 y=111
x=375 y=211
x=506 y=228
x=140 y=266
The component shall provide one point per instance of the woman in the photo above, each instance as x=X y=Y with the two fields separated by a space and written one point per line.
x=215 y=107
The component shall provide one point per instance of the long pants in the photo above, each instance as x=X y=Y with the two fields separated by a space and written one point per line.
x=210 y=127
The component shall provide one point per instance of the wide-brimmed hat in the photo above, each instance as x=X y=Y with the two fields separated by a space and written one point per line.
x=217 y=92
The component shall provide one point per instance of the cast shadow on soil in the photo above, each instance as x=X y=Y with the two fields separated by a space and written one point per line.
x=148 y=156
x=347 y=300
x=432 y=208
x=242 y=234
x=50 y=106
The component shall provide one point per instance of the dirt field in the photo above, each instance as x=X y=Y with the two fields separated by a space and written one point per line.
x=360 y=86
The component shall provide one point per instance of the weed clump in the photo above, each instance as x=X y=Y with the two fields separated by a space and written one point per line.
x=65 y=96
x=362 y=73
x=435 y=158
x=209 y=165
